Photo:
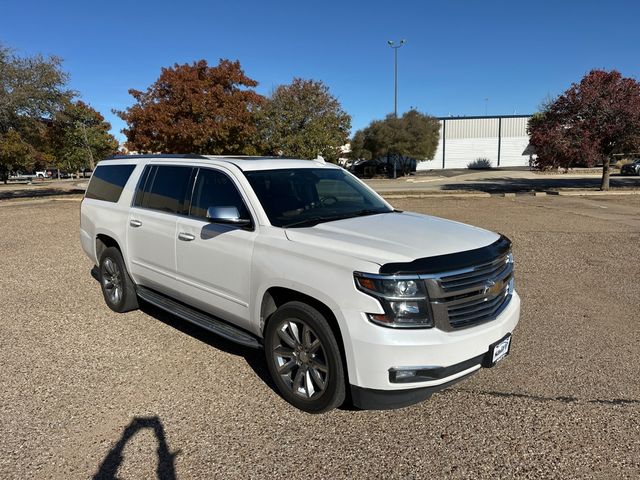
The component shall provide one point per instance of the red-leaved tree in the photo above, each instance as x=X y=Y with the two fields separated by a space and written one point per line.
x=589 y=123
x=194 y=108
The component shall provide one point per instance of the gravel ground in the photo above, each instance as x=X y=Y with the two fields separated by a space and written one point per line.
x=85 y=391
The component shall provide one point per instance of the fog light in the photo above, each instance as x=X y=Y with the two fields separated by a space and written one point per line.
x=413 y=375
x=404 y=375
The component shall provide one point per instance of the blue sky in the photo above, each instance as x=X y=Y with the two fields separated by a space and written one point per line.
x=457 y=53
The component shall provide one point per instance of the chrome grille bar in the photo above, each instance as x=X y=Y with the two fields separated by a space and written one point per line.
x=463 y=299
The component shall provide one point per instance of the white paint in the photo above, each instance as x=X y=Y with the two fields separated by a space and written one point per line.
x=229 y=272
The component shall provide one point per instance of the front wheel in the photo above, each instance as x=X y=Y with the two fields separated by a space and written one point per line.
x=117 y=287
x=304 y=358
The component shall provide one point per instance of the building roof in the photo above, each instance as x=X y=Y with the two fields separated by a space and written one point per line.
x=484 y=117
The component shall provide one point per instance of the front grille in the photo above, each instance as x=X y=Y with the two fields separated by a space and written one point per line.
x=478 y=275
x=472 y=296
x=477 y=310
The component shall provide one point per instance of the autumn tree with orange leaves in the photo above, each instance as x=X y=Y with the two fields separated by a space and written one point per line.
x=195 y=108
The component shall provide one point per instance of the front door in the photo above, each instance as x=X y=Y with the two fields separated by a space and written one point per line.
x=214 y=260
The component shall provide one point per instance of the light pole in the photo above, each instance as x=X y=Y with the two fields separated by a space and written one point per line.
x=86 y=142
x=395 y=47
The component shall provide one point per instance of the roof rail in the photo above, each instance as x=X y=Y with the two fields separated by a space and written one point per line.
x=249 y=157
x=157 y=155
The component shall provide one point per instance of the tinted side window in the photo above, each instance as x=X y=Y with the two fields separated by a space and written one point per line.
x=168 y=189
x=215 y=189
x=108 y=181
x=144 y=184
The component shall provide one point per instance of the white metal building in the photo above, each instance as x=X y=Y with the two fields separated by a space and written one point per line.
x=502 y=139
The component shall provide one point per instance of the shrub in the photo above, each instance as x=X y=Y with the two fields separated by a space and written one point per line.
x=479 y=164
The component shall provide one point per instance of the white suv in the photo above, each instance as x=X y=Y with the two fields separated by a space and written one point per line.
x=346 y=295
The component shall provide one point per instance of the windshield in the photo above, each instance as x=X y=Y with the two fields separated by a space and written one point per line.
x=304 y=197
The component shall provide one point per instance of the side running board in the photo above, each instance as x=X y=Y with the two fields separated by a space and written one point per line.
x=206 y=321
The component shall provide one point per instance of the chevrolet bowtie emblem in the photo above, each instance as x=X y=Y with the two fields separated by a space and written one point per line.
x=493 y=288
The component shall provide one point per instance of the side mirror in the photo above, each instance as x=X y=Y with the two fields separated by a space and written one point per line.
x=226 y=215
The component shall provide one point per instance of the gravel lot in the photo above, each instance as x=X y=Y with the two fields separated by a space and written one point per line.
x=84 y=391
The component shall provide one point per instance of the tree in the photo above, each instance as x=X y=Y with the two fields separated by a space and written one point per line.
x=358 y=149
x=15 y=153
x=589 y=123
x=304 y=120
x=194 y=109
x=30 y=88
x=414 y=135
x=32 y=91
x=80 y=136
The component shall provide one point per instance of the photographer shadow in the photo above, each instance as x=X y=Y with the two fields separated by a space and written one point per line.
x=165 y=469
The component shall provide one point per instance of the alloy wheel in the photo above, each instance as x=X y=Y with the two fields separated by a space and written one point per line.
x=300 y=359
x=111 y=280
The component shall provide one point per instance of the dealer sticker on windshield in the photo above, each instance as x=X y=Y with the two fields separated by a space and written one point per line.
x=501 y=349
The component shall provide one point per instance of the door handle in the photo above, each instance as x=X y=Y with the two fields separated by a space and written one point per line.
x=186 y=237
x=135 y=223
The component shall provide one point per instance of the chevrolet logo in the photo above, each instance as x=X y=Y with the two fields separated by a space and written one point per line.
x=493 y=288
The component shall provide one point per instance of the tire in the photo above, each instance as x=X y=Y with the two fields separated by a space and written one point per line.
x=304 y=359
x=118 y=289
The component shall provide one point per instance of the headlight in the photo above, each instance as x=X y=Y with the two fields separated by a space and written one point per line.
x=404 y=300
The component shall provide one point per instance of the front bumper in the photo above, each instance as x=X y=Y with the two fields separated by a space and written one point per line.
x=373 y=351
x=370 y=399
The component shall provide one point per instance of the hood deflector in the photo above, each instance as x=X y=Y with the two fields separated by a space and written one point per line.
x=450 y=261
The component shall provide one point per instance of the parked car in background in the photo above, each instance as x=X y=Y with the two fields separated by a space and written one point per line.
x=632 y=168
x=55 y=173
x=384 y=166
x=303 y=260
x=19 y=176
x=368 y=168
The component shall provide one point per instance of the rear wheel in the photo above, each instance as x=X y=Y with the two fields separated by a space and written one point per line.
x=304 y=358
x=117 y=287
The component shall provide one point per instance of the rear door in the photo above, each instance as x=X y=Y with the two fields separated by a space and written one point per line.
x=161 y=195
x=214 y=260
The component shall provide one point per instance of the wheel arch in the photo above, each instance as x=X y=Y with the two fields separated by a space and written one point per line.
x=276 y=296
x=104 y=241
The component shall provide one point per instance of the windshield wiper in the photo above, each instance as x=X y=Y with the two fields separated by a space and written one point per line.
x=369 y=211
x=306 y=222
x=312 y=221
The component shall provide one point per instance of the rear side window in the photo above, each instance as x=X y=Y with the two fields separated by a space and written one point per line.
x=108 y=181
x=165 y=189
x=144 y=184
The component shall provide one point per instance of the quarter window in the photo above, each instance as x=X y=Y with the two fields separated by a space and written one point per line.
x=108 y=181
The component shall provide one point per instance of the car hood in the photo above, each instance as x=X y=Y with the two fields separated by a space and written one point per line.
x=393 y=237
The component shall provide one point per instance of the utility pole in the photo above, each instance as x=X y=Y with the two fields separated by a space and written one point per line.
x=86 y=142
x=395 y=47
